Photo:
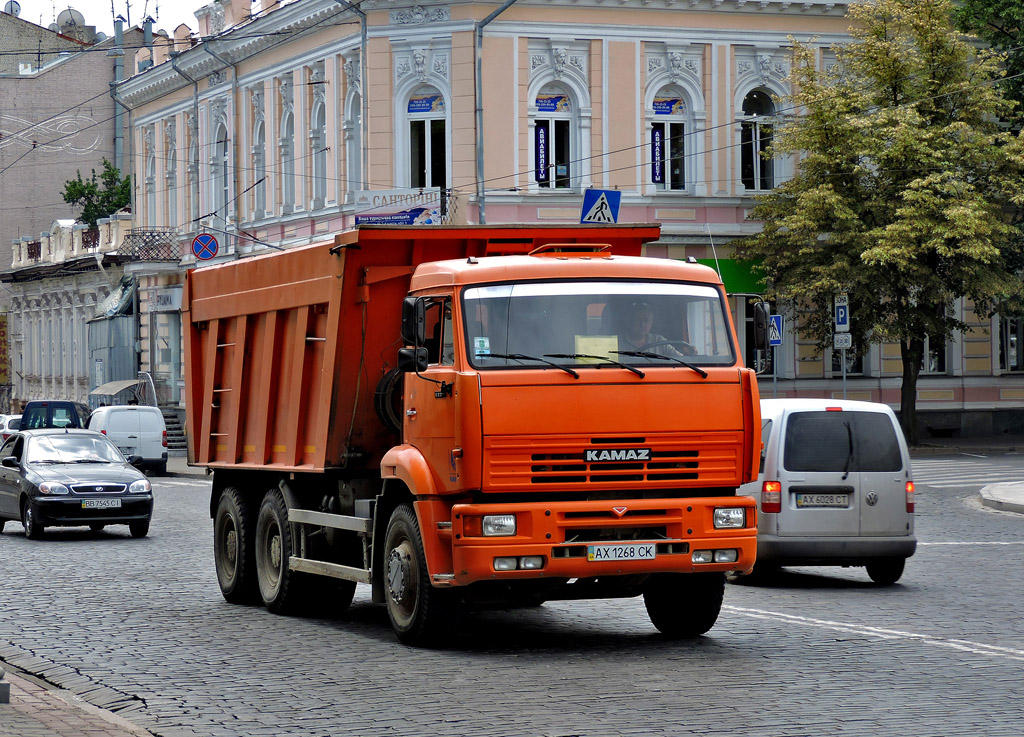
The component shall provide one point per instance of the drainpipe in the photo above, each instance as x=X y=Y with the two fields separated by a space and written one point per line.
x=364 y=96
x=480 y=109
x=118 y=53
x=195 y=115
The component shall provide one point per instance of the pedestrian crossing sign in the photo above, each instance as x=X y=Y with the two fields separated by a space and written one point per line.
x=600 y=206
x=775 y=330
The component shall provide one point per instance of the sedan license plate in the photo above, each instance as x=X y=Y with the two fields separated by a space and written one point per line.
x=822 y=500
x=101 y=503
x=631 y=551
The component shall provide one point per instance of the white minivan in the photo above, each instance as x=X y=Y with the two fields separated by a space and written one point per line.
x=835 y=487
x=136 y=431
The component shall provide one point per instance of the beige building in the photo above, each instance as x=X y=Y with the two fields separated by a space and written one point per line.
x=308 y=117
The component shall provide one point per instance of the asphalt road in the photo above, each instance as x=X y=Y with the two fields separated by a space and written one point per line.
x=140 y=627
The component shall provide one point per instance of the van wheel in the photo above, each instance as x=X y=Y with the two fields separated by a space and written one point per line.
x=886 y=571
x=160 y=470
x=33 y=530
x=418 y=611
x=283 y=590
x=684 y=604
x=234 y=533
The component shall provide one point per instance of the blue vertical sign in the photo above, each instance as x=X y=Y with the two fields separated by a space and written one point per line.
x=541 y=152
x=657 y=154
x=775 y=330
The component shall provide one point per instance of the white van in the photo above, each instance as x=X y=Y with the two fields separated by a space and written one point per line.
x=835 y=487
x=135 y=430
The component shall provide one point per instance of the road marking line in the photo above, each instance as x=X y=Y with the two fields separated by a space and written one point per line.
x=882 y=633
x=980 y=542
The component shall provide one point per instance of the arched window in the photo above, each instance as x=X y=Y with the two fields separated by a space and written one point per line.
x=171 y=179
x=221 y=176
x=287 y=167
x=151 y=188
x=756 y=171
x=553 y=137
x=318 y=144
x=259 y=161
x=428 y=138
x=193 y=184
x=668 y=139
x=354 y=143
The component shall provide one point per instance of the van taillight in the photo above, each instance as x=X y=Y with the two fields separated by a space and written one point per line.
x=910 y=496
x=165 y=439
x=103 y=432
x=771 y=497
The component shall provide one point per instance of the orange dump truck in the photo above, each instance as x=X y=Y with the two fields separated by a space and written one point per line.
x=465 y=416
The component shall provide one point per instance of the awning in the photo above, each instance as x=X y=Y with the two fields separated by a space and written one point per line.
x=113 y=387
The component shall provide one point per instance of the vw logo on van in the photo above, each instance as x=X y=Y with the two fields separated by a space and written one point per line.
x=871 y=498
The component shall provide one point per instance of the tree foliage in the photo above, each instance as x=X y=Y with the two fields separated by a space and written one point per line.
x=1000 y=23
x=100 y=197
x=903 y=183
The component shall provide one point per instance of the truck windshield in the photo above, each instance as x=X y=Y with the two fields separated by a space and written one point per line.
x=584 y=324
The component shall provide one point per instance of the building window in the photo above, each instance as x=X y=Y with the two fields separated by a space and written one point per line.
x=353 y=143
x=221 y=173
x=193 y=185
x=933 y=360
x=171 y=178
x=151 y=189
x=668 y=139
x=259 y=161
x=318 y=144
x=287 y=167
x=428 y=150
x=1011 y=343
x=757 y=172
x=854 y=362
x=552 y=133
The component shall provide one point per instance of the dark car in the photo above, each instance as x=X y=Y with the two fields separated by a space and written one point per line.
x=40 y=413
x=68 y=478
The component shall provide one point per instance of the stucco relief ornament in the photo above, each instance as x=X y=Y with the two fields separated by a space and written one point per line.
x=402 y=68
x=216 y=17
x=419 y=58
x=256 y=100
x=559 y=57
x=148 y=137
x=653 y=64
x=287 y=98
x=764 y=67
x=441 y=66
x=743 y=67
x=352 y=73
x=171 y=132
x=537 y=61
x=217 y=77
x=218 y=109
x=418 y=15
x=675 y=64
x=318 y=81
x=577 y=61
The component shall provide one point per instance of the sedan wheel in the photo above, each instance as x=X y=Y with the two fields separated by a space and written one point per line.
x=33 y=530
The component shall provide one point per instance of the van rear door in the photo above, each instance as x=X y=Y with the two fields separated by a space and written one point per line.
x=819 y=496
x=123 y=430
x=884 y=472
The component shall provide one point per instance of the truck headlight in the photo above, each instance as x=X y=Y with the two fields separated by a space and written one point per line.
x=499 y=525
x=730 y=518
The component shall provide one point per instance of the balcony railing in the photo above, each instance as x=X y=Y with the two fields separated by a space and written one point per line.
x=34 y=250
x=91 y=238
x=150 y=244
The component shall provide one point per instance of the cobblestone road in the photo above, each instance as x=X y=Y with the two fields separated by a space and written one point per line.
x=139 y=627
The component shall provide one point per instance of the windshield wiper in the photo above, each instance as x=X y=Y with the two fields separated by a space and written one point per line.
x=91 y=460
x=681 y=362
x=525 y=357
x=612 y=361
x=42 y=461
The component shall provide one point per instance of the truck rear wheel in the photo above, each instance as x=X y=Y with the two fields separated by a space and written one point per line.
x=419 y=613
x=234 y=530
x=684 y=604
x=280 y=587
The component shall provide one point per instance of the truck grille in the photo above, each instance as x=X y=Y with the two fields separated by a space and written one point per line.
x=617 y=462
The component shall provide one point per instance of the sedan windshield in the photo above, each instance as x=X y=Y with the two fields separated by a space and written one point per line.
x=596 y=325
x=72 y=449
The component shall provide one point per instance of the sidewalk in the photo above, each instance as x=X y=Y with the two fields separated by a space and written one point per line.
x=37 y=710
x=1007 y=496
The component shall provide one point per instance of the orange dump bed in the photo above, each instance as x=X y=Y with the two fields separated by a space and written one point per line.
x=284 y=351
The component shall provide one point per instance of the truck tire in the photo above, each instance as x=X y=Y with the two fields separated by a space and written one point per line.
x=419 y=613
x=234 y=556
x=886 y=571
x=684 y=604
x=283 y=590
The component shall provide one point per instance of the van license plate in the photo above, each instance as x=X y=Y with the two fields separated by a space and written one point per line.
x=101 y=503
x=822 y=500
x=633 y=551
x=127 y=451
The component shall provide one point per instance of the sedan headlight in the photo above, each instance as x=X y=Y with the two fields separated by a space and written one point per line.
x=52 y=487
x=730 y=518
x=140 y=486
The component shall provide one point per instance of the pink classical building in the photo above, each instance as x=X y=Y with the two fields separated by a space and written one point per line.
x=282 y=124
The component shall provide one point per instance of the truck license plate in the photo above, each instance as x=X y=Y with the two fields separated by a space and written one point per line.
x=632 y=551
x=101 y=503
x=822 y=500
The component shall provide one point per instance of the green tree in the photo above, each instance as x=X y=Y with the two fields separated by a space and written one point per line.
x=101 y=197
x=902 y=189
x=1000 y=23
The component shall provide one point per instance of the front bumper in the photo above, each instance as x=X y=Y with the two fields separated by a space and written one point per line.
x=561 y=534
x=67 y=511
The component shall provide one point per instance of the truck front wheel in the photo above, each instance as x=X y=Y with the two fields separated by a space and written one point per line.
x=419 y=613
x=684 y=604
x=280 y=587
x=234 y=529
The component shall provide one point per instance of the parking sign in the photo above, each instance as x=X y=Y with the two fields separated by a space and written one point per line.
x=842 y=313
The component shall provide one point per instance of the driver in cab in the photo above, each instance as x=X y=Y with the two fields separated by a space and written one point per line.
x=636 y=334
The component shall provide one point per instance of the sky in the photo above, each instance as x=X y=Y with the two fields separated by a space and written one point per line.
x=168 y=14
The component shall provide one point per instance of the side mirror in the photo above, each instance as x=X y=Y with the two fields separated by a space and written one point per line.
x=9 y=462
x=414 y=321
x=761 y=326
x=412 y=360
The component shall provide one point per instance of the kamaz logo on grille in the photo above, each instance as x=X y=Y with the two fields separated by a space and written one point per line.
x=618 y=454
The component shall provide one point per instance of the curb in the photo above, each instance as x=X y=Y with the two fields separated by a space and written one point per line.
x=1006 y=497
x=936 y=450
